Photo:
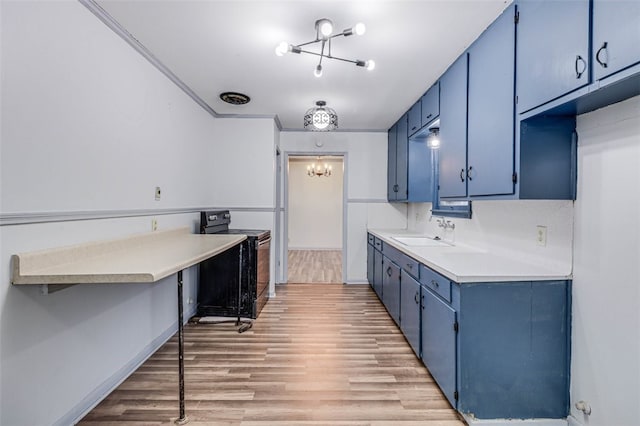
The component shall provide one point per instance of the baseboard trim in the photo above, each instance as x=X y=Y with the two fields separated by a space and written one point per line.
x=349 y=282
x=89 y=402
x=515 y=422
x=314 y=249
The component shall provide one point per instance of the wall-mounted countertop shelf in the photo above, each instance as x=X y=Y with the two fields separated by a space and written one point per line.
x=140 y=258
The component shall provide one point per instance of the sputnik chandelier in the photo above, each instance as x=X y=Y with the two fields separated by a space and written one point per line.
x=324 y=35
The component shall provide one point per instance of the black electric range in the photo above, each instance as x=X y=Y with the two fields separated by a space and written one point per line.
x=218 y=283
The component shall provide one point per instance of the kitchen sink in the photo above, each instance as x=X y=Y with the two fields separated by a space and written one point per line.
x=421 y=241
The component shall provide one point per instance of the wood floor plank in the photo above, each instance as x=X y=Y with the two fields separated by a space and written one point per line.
x=315 y=266
x=317 y=355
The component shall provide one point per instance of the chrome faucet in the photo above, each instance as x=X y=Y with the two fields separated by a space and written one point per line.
x=446 y=224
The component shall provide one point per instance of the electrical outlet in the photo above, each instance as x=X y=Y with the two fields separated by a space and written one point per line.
x=541 y=235
x=158 y=193
x=154 y=224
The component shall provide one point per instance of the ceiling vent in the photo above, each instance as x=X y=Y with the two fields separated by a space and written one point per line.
x=235 y=98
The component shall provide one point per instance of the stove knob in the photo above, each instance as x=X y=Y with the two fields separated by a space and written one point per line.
x=226 y=216
x=213 y=217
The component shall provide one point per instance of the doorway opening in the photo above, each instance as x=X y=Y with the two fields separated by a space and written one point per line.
x=315 y=212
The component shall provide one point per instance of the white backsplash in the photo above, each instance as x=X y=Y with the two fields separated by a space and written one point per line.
x=506 y=227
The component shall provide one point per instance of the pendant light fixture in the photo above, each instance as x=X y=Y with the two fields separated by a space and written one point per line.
x=320 y=118
x=319 y=170
x=324 y=35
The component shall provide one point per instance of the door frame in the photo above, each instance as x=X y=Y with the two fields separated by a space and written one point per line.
x=285 y=242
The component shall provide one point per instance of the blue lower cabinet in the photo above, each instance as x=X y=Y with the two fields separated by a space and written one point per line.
x=513 y=350
x=391 y=288
x=370 y=264
x=410 y=310
x=439 y=342
x=377 y=273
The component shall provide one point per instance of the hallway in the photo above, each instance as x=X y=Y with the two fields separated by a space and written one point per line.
x=317 y=355
x=315 y=266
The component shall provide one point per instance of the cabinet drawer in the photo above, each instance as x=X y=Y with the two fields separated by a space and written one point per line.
x=411 y=266
x=370 y=239
x=415 y=117
x=405 y=262
x=436 y=282
x=377 y=243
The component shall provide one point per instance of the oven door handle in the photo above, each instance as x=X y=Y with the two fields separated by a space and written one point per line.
x=263 y=242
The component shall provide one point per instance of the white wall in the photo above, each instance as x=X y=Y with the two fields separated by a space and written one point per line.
x=605 y=368
x=242 y=164
x=508 y=227
x=366 y=176
x=87 y=125
x=315 y=206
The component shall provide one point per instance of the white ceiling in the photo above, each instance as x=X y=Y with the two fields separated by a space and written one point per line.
x=215 y=46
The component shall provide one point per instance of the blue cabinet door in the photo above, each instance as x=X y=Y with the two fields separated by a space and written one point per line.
x=553 y=50
x=378 y=273
x=439 y=342
x=415 y=118
x=402 y=169
x=616 y=36
x=370 y=263
x=391 y=288
x=391 y=162
x=431 y=104
x=410 y=310
x=491 y=137
x=453 y=130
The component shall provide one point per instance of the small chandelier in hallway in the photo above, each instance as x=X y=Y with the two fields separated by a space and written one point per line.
x=319 y=170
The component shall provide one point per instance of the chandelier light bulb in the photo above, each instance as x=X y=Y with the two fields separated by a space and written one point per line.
x=326 y=28
x=370 y=64
x=282 y=48
x=360 y=28
x=318 y=71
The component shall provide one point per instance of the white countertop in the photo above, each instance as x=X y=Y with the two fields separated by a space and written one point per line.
x=466 y=264
x=141 y=258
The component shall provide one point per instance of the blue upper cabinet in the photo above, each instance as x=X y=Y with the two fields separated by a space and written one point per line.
x=402 y=157
x=616 y=36
x=392 y=136
x=453 y=130
x=431 y=104
x=410 y=175
x=491 y=137
x=415 y=118
x=397 y=158
x=553 y=50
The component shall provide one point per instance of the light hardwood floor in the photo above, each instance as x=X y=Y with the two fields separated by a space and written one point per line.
x=315 y=266
x=317 y=355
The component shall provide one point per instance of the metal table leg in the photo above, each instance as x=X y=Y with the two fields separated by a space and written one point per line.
x=183 y=418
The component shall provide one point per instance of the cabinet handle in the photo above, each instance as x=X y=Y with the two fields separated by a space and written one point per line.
x=469 y=173
x=428 y=116
x=603 y=48
x=584 y=66
x=410 y=266
x=461 y=175
x=416 y=297
x=389 y=271
x=395 y=188
x=435 y=283
x=414 y=127
x=422 y=302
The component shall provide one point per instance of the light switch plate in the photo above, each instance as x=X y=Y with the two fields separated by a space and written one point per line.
x=158 y=193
